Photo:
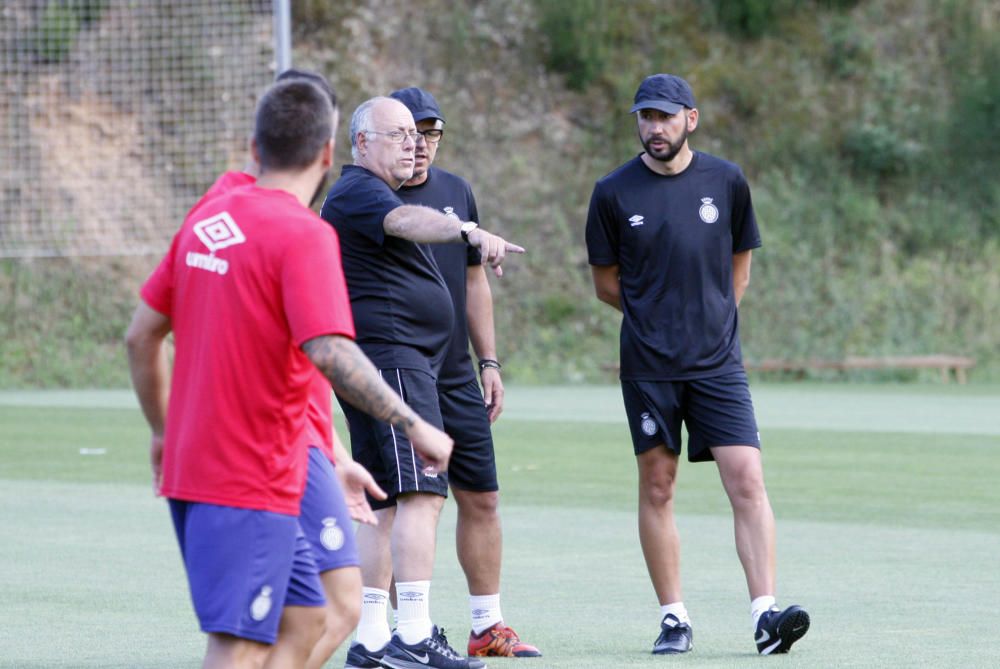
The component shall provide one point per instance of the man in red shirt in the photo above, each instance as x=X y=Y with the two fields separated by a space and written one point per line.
x=255 y=297
x=335 y=485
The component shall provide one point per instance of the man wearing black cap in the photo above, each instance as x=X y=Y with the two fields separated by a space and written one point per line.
x=669 y=237
x=466 y=410
x=403 y=316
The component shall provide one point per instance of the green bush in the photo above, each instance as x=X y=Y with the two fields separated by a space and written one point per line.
x=576 y=33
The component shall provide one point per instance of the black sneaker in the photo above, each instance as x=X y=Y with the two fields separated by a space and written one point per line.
x=359 y=657
x=431 y=653
x=675 y=637
x=778 y=629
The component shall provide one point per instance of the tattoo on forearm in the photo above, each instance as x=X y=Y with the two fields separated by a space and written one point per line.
x=355 y=379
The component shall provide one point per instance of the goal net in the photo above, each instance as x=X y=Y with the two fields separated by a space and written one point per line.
x=115 y=115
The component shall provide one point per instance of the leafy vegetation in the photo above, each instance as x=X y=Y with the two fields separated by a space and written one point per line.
x=867 y=131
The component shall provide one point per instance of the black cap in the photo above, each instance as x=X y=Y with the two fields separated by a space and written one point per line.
x=420 y=103
x=665 y=92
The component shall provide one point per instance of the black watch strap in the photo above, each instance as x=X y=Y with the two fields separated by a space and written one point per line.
x=489 y=363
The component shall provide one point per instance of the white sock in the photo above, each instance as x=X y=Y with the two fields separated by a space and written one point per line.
x=485 y=610
x=413 y=606
x=395 y=618
x=677 y=609
x=373 y=628
x=758 y=606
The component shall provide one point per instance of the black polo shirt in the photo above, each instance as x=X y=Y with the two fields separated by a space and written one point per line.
x=673 y=238
x=451 y=195
x=403 y=312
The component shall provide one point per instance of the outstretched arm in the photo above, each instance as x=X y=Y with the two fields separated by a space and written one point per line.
x=429 y=226
x=356 y=380
x=147 y=362
x=479 y=312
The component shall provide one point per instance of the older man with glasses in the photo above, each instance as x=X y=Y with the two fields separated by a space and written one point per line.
x=466 y=409
x=403 y=316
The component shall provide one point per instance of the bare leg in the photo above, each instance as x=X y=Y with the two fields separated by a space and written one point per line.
x=374 y=550
x=743 y=478
x=414 y=537
x=225 y=651
x=479 y=540
x=301 y=627
x=343 y=609
x=658 y=535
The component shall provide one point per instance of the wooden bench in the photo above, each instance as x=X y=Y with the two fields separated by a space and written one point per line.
x=947 y=364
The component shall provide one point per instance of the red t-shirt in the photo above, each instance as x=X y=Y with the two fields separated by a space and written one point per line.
x=250 y=276
x=319 y=429
x=319 y=415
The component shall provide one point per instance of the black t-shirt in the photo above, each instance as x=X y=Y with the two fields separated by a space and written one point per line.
x=451 y=195
x=402 y=310
x=673 y=238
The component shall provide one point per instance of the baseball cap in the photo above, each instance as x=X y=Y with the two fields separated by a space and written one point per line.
x=666 y=92
x=420 y=103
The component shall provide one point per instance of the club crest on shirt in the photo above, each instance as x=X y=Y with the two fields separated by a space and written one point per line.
x=635 y=220
x=331 y=536
x=648 y=425
x=261 y=604
x=708 y=211
x=450 y=212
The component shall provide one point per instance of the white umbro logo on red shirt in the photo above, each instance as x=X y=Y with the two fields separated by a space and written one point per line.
x=216 y=232
x=219 y=231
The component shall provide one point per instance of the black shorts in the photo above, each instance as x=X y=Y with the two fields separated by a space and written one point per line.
x=385 y=451
x=473 y=465
x=716 y=411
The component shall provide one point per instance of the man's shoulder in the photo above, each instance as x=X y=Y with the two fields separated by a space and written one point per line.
x=354 y=176
x=709 y=164
x=357 y=191
x=448 y=177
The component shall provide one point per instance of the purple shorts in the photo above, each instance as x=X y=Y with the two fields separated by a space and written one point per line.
x=324 y=517
x=244 y=566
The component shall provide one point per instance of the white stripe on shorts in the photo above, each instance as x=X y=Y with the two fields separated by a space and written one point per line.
x=395 y=443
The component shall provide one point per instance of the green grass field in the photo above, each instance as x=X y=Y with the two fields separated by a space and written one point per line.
x=888 y=532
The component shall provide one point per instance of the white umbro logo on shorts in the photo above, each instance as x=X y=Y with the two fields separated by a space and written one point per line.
x=635 y=220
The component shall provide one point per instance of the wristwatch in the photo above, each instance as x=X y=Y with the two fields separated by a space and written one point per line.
x=468 y=227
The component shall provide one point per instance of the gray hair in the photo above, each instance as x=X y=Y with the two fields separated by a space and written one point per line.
x=361 y=121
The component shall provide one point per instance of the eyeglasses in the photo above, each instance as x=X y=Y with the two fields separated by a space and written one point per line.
x=432 y=135
x=396 y=136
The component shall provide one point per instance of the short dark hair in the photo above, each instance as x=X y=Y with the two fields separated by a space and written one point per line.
x=294 y=121
x=314 y=77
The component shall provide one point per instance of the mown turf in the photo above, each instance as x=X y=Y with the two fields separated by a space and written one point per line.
x=888 y=538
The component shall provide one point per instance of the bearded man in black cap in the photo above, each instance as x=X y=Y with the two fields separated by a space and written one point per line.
x=669 y=238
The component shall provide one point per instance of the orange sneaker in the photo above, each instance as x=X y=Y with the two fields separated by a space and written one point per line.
x=500 y=641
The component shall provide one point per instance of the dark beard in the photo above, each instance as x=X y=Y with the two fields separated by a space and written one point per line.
x=672 y=148
x=320 y=189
